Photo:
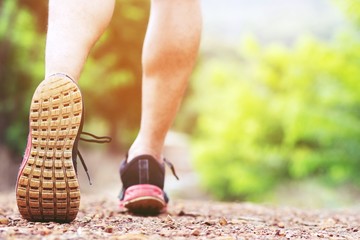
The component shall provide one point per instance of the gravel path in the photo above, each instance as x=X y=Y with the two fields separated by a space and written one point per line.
x=100 y=218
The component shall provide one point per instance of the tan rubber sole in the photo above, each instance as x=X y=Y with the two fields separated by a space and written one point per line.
x=146 y=206
x=47 y=187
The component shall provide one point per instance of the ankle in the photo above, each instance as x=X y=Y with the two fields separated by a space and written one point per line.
x=60 y=74
x=135 y=152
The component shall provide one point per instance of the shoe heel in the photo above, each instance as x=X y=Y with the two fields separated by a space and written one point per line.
x=144 y=199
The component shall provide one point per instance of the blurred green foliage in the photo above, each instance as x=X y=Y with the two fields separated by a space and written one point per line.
x=351 y=8
x=110 y=83
x=20 y=45
x=277 y=113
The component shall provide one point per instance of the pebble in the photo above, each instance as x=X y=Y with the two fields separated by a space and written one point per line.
x=281 y=224
x=223 y=221
x=196 y=232
x=280 y=232
x=109 y=229
x=4 y=221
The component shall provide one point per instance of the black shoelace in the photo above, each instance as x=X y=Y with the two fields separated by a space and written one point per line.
x=95 y=139
x=171 y=166
x=106 y=139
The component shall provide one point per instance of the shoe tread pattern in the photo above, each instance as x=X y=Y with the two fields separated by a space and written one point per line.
x=48 y=189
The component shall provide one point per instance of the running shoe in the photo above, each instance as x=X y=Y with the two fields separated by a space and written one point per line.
x=143 y=184
x=47 y=187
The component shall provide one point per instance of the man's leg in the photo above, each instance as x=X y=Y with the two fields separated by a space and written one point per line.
x=74 y=27
x=170 y=49
x=47 y=188
x=169 y=54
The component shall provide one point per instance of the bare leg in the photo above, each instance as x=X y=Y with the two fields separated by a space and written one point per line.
x=74 y=27
x=169 y=54
x=51 y=192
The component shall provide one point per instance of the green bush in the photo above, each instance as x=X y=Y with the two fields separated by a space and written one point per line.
x=278 y=113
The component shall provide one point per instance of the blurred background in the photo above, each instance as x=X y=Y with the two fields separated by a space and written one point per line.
x=272 y=113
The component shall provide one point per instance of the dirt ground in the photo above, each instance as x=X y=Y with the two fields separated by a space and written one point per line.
x=100 y=218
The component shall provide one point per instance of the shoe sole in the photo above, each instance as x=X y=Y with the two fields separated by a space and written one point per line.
x=47 y=187
x=144 y=199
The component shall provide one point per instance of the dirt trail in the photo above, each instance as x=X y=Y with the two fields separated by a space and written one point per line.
x=100 y=218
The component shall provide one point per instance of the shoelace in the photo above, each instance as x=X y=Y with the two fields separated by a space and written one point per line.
x=171 y=166
x=95 y=139
x=106 y=139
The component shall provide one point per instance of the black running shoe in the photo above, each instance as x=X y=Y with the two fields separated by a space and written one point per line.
x=143 y=184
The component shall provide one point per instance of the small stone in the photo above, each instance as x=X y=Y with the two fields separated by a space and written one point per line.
x=109 y=229
x=44 y=231
x=280 y=224
x=223 y=221
x=86 y=219
x=4 y=220
x=170 y=219
x=50 y=226
x=209 y=222
x=196 y=232
x=99 y=216
x=181 y=213
x=280 y=232
x=320 y=235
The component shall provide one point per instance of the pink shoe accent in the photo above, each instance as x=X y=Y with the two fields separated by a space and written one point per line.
x=144 y=199
x=143 y=190
x=25 y=158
